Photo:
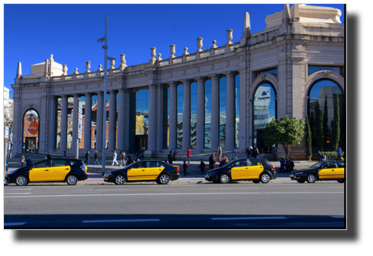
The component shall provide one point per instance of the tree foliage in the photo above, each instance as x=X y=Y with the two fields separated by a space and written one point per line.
x=336 y=133
x=286 y=131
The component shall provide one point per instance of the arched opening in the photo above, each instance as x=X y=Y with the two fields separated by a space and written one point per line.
x=265 y=109
x=322 y=101
x=30 y=135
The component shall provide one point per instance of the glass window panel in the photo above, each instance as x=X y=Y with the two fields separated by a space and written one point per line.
x=116 y=119
x=31 y=131
x=70 y=113
x=193 y=115
x=179 y=125
x=94 y=121
x=208 y=85
x=142 y=112
x=166 y=114
x=313 y=69
x=58 y=122
x=237 y=111
x=223 y=111
x=81 y=141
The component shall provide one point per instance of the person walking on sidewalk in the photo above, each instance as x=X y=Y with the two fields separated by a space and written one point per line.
x=185 y=167
x=170 y=157
x=129 y=160
x=249 y=152
x=122 y=159
x=282 y=168
x=189 y=155
x=212 y=161
x=96 y=158
x=339 y=152
x=23 y=161
x=87 y=156
x=256 y=153
x=220 y=153
x=202 y=166
x=114 y=158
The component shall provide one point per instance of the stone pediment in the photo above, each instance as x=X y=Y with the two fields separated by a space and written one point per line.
x=38 y=70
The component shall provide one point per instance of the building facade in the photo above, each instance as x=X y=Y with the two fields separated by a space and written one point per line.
x=223 y=96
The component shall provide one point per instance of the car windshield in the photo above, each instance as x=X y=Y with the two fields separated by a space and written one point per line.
x=317 y=165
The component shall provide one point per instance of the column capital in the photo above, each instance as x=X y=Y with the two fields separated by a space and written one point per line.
x=64 y=96
x=112 y=91
x=200 y=78
x=230 y=73
x=100 y=93
x=173 y=84
x=75 y=95
x=215 y=76
x=186 y=81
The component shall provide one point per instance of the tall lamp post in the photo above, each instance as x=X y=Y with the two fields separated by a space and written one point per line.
x=105 y=91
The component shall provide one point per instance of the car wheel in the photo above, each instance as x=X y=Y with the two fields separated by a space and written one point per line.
x=224 y=178
x=301 y=181
x=341 y=181
x=71 y=180
x=256 y=181
x=311 y=178
x=21 y=180
x=119 y=179
x=265 y=178
x=164 y=179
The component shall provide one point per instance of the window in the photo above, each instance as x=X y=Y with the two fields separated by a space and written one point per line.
x=56 y=163
x=341 y=164
x=336 y=69
x=240 y=163
x=41 y=164
x=152 y=164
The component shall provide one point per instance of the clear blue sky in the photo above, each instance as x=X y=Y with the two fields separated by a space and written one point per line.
x=70 y=32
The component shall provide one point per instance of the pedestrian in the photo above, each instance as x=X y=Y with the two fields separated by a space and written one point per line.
x=174 y=153
x=189 y=155
x=87 y=157
x=28 y=161
x=288 y=165
x=96 y=158
x=170 y=157
x=64 y=154
x=255 y=153
x=339 y=152
x=291 y=165
x=185 y=166
x=249 y=152
x=114 y=158
x=282 y=168
x=320 y=155
x=220 y=153
x=226 y=160
x=129 y=160
x=23 y=161
x=202 y=166
x=323 y=157
x=49 y=157
x=212 y=161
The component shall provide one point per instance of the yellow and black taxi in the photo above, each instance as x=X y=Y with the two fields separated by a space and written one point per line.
x=158 y=171
x=331 y=170
x=49 y=170
x=242 y=169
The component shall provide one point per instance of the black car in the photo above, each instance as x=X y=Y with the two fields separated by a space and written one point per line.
x=158 y=171
x=331 y=170
x=266 y=164
x=242 y=169
x=50 y=170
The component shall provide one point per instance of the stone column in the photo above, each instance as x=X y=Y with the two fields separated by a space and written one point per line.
x=173 y=115
x=75 y=121
x=63 y=142
x=99 y=119
x=121 y=118
x=215 y=112
x=152 y=134
x=231 y=113
x=112 y=117
x=87 y=121
x=186 y=114
x=200 y=113
x=243 y=133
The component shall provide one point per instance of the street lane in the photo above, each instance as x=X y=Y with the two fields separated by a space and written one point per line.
x=175 y=206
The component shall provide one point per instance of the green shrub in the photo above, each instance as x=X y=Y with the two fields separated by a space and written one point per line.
x=334 y=154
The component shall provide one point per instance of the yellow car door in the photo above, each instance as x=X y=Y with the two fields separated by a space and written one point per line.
x=328 y=171
x=340 y=170
x=60 y=168
x=255 y=170
x=40 y=172
x=137 y=172
x=153 y=170
x=240 y=170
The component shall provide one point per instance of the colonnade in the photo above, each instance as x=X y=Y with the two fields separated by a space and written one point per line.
x=156 y=115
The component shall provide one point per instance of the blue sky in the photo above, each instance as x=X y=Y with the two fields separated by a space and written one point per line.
x=70 y=32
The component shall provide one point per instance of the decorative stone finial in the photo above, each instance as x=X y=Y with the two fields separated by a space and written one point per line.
x=214 y=45
x=172 y=50
x=88 y=66
x=64 y=70
x=51 y=56
x=76 y=71
x=99 y=67
x=186 y=51
x=152 y=53
x=19 y=70
x=159 y=57
x=229 y=36
x=112 y=63
x=123 y=60
x=46 y=65
x=199 y=44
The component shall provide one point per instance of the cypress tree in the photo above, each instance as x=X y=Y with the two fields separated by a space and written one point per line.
x=321 y=133
x=308 y=140
x=317 y=124
x=336 y=125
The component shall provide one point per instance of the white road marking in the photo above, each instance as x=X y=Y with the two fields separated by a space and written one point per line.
x=171 y=194
x=11 y=189
x=14 y=223
x=251 y=218
x=128 y=220
x=337 y=216
x=6 y=193
x=233 y=188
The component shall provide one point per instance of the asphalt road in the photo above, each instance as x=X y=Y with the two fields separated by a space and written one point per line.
x=235 y=205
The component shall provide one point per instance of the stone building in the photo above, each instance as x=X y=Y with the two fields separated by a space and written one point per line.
x=221 y=96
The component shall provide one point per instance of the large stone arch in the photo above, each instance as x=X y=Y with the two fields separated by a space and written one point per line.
x=265 y=77
x=25 y=109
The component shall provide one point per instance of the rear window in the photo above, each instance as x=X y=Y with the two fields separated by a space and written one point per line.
x=72 y=162
x=341 y=164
